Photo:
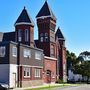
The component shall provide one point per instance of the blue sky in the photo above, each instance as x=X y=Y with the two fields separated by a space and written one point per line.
x=73 y=17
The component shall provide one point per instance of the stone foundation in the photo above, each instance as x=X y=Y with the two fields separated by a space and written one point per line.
x=31 y=83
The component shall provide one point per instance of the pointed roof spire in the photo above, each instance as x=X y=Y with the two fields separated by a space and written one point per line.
x=59 y=34
x=24 y=18
x=24 y=7
x=46 y=12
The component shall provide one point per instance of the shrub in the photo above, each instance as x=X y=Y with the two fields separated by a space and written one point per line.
x=59 y=81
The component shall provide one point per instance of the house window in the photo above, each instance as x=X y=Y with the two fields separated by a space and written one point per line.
x=19 y=35
x=26 y=72
x=26 y=35
x=37 y=73
x=41 y=37
x=27 y=53
x=46 y=37
x=2 y=51
x=14 y=51
x=38 y=55
x=52 y=51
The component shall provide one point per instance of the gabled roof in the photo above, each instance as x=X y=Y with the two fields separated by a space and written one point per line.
x=46 y=12
x=24 y=18
x=59 y=34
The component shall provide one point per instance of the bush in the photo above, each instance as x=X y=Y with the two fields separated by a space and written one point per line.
x=59 y=81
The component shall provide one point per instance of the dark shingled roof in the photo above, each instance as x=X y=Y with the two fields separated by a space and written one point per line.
x=59 y=34
x=9 y=36
x=46 y=11
x=24 y=17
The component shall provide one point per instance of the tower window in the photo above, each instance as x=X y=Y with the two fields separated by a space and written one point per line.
x=46 y=37
x=26 y=35
x=52 y=50
x=19 y=35
x=41 y=37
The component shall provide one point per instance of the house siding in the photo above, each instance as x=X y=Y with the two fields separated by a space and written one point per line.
x=30 y=61
x=12 y=59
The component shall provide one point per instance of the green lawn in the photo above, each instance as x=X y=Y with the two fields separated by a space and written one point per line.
x=49 y=87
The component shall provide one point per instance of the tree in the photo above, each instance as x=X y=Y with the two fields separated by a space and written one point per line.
x=82 y=65
x=71 y=60
x=85 y=55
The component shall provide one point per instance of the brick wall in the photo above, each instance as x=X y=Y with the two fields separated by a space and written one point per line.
x=49 y=64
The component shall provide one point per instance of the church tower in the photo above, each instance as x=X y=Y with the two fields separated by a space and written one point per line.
x=60 y=41
x=46 y=22
x=24 y=29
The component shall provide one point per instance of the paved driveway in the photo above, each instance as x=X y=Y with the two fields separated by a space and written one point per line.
x=81 y=87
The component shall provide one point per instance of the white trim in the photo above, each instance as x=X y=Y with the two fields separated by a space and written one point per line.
x=25 y=23
x=50 y=58
x=42 y=17
x=32 y=66
x=27 y=70
x=61 y=39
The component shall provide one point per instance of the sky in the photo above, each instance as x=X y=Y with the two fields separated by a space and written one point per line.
x=73 y=17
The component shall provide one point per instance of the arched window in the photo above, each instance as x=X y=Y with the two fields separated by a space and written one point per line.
x=41 y=37
x=46 y=37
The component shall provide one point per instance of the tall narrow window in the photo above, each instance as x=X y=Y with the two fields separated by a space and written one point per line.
x=41 y=37
x=52 y=50
x=19 y=35
x=46 y=37
x=26 y=35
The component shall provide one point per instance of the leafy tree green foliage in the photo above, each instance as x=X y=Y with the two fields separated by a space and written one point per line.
x=71 y=59
x=85 y=55
x=82 y=66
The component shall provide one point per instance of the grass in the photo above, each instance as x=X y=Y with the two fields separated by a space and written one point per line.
x=49 y=87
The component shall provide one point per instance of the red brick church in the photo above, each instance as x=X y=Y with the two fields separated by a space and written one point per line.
x=34 y=62
x=52 y=42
